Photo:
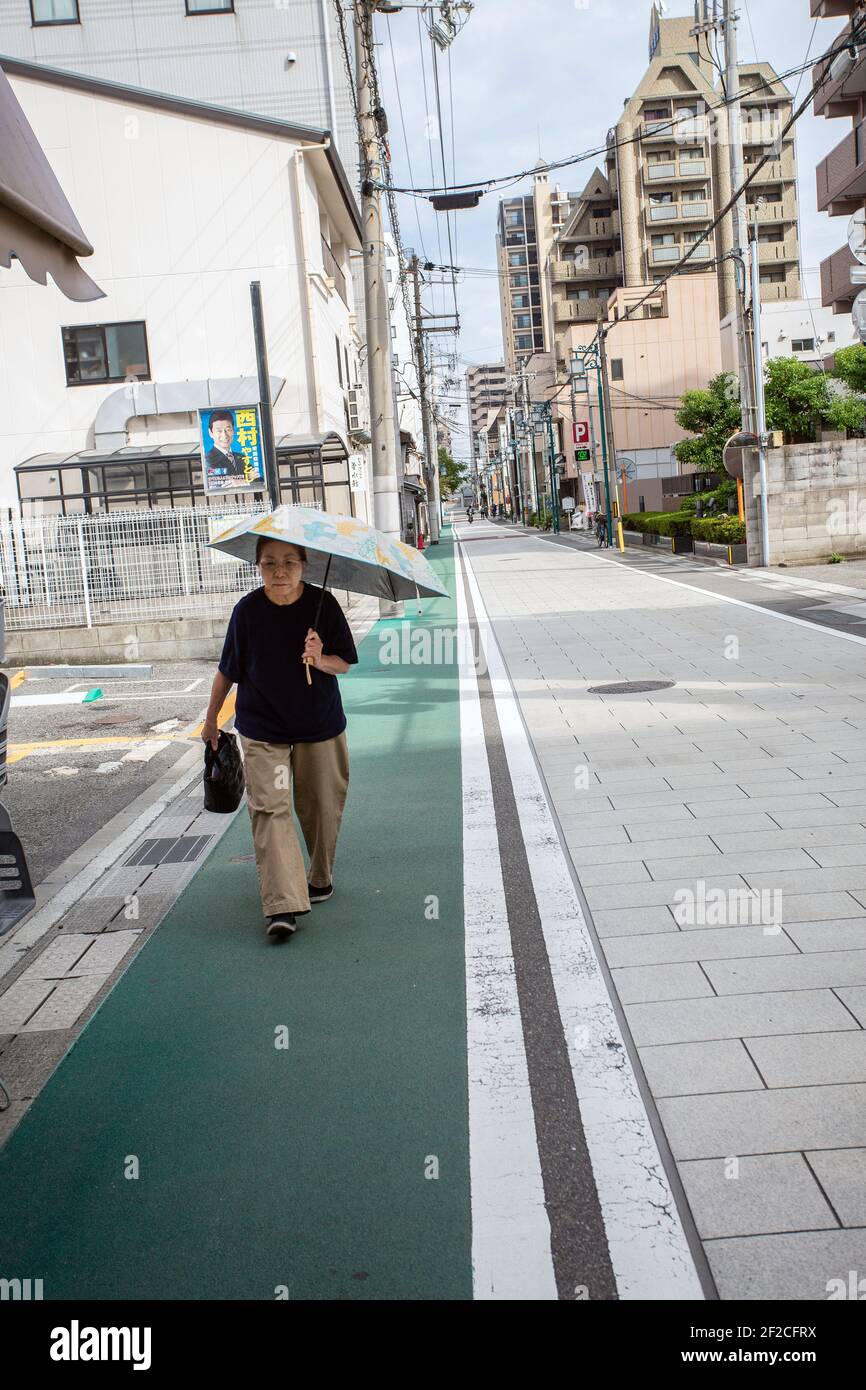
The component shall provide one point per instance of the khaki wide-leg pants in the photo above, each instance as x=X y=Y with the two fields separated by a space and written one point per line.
x=317 y=775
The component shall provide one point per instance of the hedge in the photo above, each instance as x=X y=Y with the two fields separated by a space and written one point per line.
x=725 y=530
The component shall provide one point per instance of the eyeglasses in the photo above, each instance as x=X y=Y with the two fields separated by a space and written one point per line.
x=270 y=565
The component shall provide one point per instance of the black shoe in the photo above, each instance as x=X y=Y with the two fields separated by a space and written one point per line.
x=320 y=895
x=281 y=927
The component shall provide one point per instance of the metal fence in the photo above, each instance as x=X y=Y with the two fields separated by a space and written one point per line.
x=68 y=571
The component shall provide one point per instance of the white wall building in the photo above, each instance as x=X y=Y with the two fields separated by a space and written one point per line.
x=801 y=328
x=280 y=58
x=185 y=205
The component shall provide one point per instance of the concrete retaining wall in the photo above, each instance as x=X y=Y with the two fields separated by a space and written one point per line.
x=817 y=502
x=173 y=639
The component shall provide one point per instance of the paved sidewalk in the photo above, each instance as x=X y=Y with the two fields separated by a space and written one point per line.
x=748 y=774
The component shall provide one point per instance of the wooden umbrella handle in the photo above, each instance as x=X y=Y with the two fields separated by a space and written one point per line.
x=307 y=667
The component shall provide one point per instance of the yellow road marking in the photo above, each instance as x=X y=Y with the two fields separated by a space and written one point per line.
x=17 y=751
x=16 y=680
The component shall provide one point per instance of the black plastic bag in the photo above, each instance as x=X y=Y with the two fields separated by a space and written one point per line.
x=223 y=775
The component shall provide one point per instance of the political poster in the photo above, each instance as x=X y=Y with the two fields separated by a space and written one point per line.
x=231 y=449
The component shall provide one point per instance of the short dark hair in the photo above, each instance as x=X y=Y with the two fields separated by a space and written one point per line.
x=220 y=415
x=262 y=540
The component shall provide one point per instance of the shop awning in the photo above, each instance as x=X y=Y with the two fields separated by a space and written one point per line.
x=37 y=225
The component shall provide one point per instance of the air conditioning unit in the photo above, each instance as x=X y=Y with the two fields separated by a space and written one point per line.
x=357 y=406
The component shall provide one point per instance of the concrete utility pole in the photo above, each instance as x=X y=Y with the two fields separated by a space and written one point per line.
x=738 y=211
x=606 y=427
x=760 y=401
x=430 y=448
x=386 y=501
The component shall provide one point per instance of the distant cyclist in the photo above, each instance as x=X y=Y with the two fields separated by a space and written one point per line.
x=601 y=529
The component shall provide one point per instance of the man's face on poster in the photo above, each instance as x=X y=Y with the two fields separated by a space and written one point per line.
x=223 y=433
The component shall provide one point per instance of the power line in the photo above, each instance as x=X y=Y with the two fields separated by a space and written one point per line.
x=763 y=83
x=856 y=33
x=405 y=137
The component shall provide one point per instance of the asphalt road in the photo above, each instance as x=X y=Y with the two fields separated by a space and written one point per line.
x=59 y=792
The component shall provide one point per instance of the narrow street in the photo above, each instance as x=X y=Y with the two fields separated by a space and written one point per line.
x=529 y=1050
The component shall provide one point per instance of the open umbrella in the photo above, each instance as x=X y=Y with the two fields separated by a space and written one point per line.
x=341 y=550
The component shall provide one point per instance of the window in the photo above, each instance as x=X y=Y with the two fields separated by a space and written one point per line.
x=516 y=258
x=523 y=320
x=210 y=6
x=772 y=277
x=519 y=280
x=802 y=344
x=664 y=239
x=339 y=361
x=105 y=352
x=616 y=373
x=515 y=219
x=694 y=195
x=54 y=12
x=524 y=342
x=521 y=301
x=657 y=199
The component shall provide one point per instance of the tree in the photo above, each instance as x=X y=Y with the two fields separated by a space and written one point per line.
x=451 y=472
x=850 y=367
x=800 y=400
x=713 y=415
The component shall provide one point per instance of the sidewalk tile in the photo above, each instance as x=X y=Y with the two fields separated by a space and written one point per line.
x=847 y=934
x=854 y=999
x=654 y=894
x=781 y=1267
x=799 y=837
x=842 y=1174
x=769 y=1194
x=640 y=984
x=813 y=971
x=737 y=1016
x=684 y=1069
x=624 y=873
x=818 y=1059
x=645 y=849
x=702 y=943
x=759 y=1122
x=634 y=921
x=739 y=863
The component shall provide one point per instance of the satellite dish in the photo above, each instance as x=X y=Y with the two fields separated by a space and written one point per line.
x=857 y=235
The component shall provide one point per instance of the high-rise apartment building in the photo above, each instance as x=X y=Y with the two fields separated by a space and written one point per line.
x=666 y=176
x=280 y=59
x=526 y=231
x=486 y=391
x=842 y=175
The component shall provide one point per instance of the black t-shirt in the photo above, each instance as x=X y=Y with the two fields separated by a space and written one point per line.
x=262 y=654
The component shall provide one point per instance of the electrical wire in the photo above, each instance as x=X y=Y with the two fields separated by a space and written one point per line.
x=405 y=136
x=505 y=180
x=435 y=66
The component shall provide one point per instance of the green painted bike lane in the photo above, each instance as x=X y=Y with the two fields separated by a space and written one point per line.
x=261 y=1166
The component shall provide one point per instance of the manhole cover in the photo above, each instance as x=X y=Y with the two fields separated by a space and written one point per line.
x=106 y=720
x=630 y=687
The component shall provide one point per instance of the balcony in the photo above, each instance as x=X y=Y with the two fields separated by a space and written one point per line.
x=604 y=268
x=667 y=255
x=580 y=310
x=675 y=212
x=836 y=288
x=680 y=128
x=841 y=177
x=673 y=173
x=778 y=252
x=598 y=229
x=785 y=210
x=842 y=96
x=771 y=293
x=830 y=9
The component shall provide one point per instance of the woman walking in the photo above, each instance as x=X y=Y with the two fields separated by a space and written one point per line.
x=293 y=733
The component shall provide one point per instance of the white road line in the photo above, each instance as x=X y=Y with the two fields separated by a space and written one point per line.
x=511 y=1256
x=64 y=698
x=143 y=752
x=649 y=1252
x=193 y=685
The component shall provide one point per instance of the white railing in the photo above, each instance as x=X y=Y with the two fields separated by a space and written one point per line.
x=71 y=571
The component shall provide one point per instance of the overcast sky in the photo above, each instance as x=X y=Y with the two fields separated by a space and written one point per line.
x=551 y=76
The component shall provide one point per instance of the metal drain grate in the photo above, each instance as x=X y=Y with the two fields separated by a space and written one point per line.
x=181 y=850
x=630 y=687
